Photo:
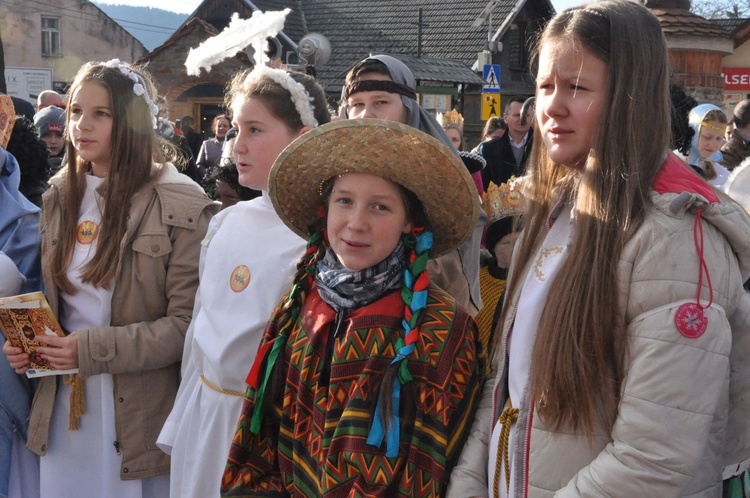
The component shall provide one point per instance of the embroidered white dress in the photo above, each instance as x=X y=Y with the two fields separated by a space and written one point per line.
x=247 y=263
x=86 y=462
x=546 y=264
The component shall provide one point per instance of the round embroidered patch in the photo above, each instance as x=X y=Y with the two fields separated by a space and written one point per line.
x=240 y=278
x=690 y=320
x=86 y=232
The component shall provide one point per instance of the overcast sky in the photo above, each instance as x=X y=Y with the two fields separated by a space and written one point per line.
x=188 y=6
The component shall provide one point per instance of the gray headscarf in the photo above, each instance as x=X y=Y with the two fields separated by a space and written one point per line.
x=416 y=115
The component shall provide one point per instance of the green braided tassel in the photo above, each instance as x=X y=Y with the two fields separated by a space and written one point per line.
x=255 y=421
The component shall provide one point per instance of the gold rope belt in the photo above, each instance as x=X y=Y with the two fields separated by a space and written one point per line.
x=507 y=419
x=221 y=389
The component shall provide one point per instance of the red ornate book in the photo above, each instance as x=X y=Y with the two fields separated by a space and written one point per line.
x=22 y=319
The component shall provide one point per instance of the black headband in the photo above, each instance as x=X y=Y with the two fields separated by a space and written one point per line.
x=378 y=85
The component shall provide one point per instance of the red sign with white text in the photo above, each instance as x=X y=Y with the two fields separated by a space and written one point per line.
x=736 y=78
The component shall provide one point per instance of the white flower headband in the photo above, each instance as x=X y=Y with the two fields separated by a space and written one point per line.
x=139 y=86
x=303 y=102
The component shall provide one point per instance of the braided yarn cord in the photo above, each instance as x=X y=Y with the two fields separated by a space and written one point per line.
x=414 y=294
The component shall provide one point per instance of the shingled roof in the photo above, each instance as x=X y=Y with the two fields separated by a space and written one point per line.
x=440 y=70
x=358 y=28
x=188 y=27
x=739 y=28
x=682 y=22
x=729 y=25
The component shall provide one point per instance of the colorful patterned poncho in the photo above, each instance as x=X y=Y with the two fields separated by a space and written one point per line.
x=313 y=438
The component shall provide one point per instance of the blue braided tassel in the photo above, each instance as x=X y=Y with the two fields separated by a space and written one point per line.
x=377 y=433
x=417 y=301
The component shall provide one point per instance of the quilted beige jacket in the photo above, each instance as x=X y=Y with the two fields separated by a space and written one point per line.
x=685 y=402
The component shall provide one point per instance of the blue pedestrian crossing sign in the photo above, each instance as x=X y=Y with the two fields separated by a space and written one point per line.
x=491 y=78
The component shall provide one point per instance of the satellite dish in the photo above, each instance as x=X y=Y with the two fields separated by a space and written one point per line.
x=315 y=49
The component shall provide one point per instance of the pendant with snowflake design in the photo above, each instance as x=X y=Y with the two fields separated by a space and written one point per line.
x=690 y=320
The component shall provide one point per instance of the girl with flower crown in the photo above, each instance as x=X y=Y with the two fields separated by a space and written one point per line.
x=367 y=375
x=247 y=261
x=121 y=234
x=620 y=357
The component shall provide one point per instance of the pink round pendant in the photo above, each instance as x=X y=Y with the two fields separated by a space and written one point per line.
x=690 y=320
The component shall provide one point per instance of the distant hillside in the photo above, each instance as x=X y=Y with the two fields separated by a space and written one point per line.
x=150 y=26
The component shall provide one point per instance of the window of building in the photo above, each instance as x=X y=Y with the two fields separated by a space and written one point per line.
x=435 y=103
x=50 y=36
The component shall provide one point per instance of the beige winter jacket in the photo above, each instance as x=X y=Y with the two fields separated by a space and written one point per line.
x=683 y=414
x=152 y=303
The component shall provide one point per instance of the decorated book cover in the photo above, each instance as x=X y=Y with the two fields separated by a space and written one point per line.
x=22 y=319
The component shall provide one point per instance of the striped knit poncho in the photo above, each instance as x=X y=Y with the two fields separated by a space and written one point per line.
x=313 y=438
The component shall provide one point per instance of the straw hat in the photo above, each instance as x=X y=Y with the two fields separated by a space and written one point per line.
x=391 y=150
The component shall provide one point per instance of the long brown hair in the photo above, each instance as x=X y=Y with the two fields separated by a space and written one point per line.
x=134 y=150
x=579 y=356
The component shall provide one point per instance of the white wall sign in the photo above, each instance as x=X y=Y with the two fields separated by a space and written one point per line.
x=27 y=82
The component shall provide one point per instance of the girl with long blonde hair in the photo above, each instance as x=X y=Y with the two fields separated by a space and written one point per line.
x=612 y=358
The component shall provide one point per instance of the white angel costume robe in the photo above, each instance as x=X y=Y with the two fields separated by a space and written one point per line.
x=247 y=263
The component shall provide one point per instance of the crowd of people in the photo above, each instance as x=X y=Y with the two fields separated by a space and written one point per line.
x=319 y=303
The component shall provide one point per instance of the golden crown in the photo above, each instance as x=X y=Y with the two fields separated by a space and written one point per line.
x=503 y=200
x=7 y=120
x=450 y=118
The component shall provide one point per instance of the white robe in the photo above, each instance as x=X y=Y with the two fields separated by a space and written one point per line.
x=223 y=338
x=86 y=462
x=548 y=261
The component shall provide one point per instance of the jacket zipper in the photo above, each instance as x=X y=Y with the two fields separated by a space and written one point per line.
x=503 y=350
x=526 y=445
x=530 y=417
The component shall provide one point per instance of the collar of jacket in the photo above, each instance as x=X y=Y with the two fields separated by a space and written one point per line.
x=180 y=207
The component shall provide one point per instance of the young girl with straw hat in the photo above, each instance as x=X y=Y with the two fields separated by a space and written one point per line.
x=368 y=375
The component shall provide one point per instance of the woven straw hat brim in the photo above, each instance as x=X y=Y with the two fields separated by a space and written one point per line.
x=397 y=152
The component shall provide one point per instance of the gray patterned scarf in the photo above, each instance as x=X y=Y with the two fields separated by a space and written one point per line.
x=345 y=289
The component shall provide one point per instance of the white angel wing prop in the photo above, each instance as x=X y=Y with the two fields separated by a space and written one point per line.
x=236 y=37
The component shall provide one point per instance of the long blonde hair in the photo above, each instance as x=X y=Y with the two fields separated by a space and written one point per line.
x=580 y=351
x=135 y=148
